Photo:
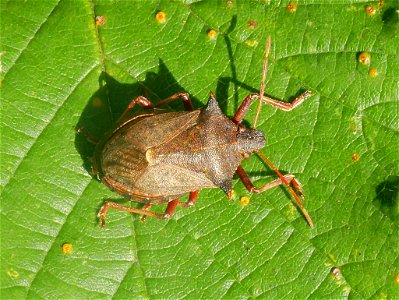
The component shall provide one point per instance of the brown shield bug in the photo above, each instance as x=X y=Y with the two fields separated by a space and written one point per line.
x=155 y=156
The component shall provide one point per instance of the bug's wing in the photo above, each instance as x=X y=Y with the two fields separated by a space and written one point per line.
x=156 y=130
x=168 y=180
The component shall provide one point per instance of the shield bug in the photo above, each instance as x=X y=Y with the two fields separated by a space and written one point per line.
x=155 y=156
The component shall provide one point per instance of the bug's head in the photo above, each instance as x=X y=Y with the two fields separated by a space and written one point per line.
x=249 y=139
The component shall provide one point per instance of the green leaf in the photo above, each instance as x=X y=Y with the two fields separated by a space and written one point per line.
x=61 y=71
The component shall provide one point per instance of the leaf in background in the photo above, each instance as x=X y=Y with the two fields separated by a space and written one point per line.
x=60 y=71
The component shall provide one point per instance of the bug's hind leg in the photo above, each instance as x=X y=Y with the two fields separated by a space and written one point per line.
x=170 y=209
x=190 y=202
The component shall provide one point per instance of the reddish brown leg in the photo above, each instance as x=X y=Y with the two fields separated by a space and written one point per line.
x=145 y=103
x=170 y=209
x=140 y=100
x=243 y=109
x=287 y=106
x=190 y=202
x=192 y=198
x=290 y=179
x=183 y=96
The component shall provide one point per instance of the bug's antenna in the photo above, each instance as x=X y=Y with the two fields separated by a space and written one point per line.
x=287 y=184
x=262 y=86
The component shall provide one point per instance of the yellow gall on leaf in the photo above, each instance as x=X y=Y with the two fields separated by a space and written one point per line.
x=371 y=10
x=397 y=278
x=67 y=248
x=252 y=24
x=244 y=201
x=100 y=20
x=12 y=273
x=251 y=43
x=291 y=7
x=364 y=58
x=336 y=272
x=160 y=17
x=373 y=72
x=355 y=157
x=212 y=34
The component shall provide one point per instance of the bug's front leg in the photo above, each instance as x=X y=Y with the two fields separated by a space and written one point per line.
x=244 y=107
x=287 y=106
x=290 y=179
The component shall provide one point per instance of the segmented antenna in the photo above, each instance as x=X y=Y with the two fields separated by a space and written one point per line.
x=262 y=86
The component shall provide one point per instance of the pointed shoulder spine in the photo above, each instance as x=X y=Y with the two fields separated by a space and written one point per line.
x=212 y=107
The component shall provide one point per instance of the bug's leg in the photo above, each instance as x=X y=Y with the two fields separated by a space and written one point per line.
x=185 y=97
x=145 y=103
x=91 y=138
x=287 y=106
x=243 y=109
x=190 y=202
x=288 y=180
x=140 y=100
x=170 y=209
x=192 y=198
x=251 y=187
x=146 y=207
x=166 y=215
